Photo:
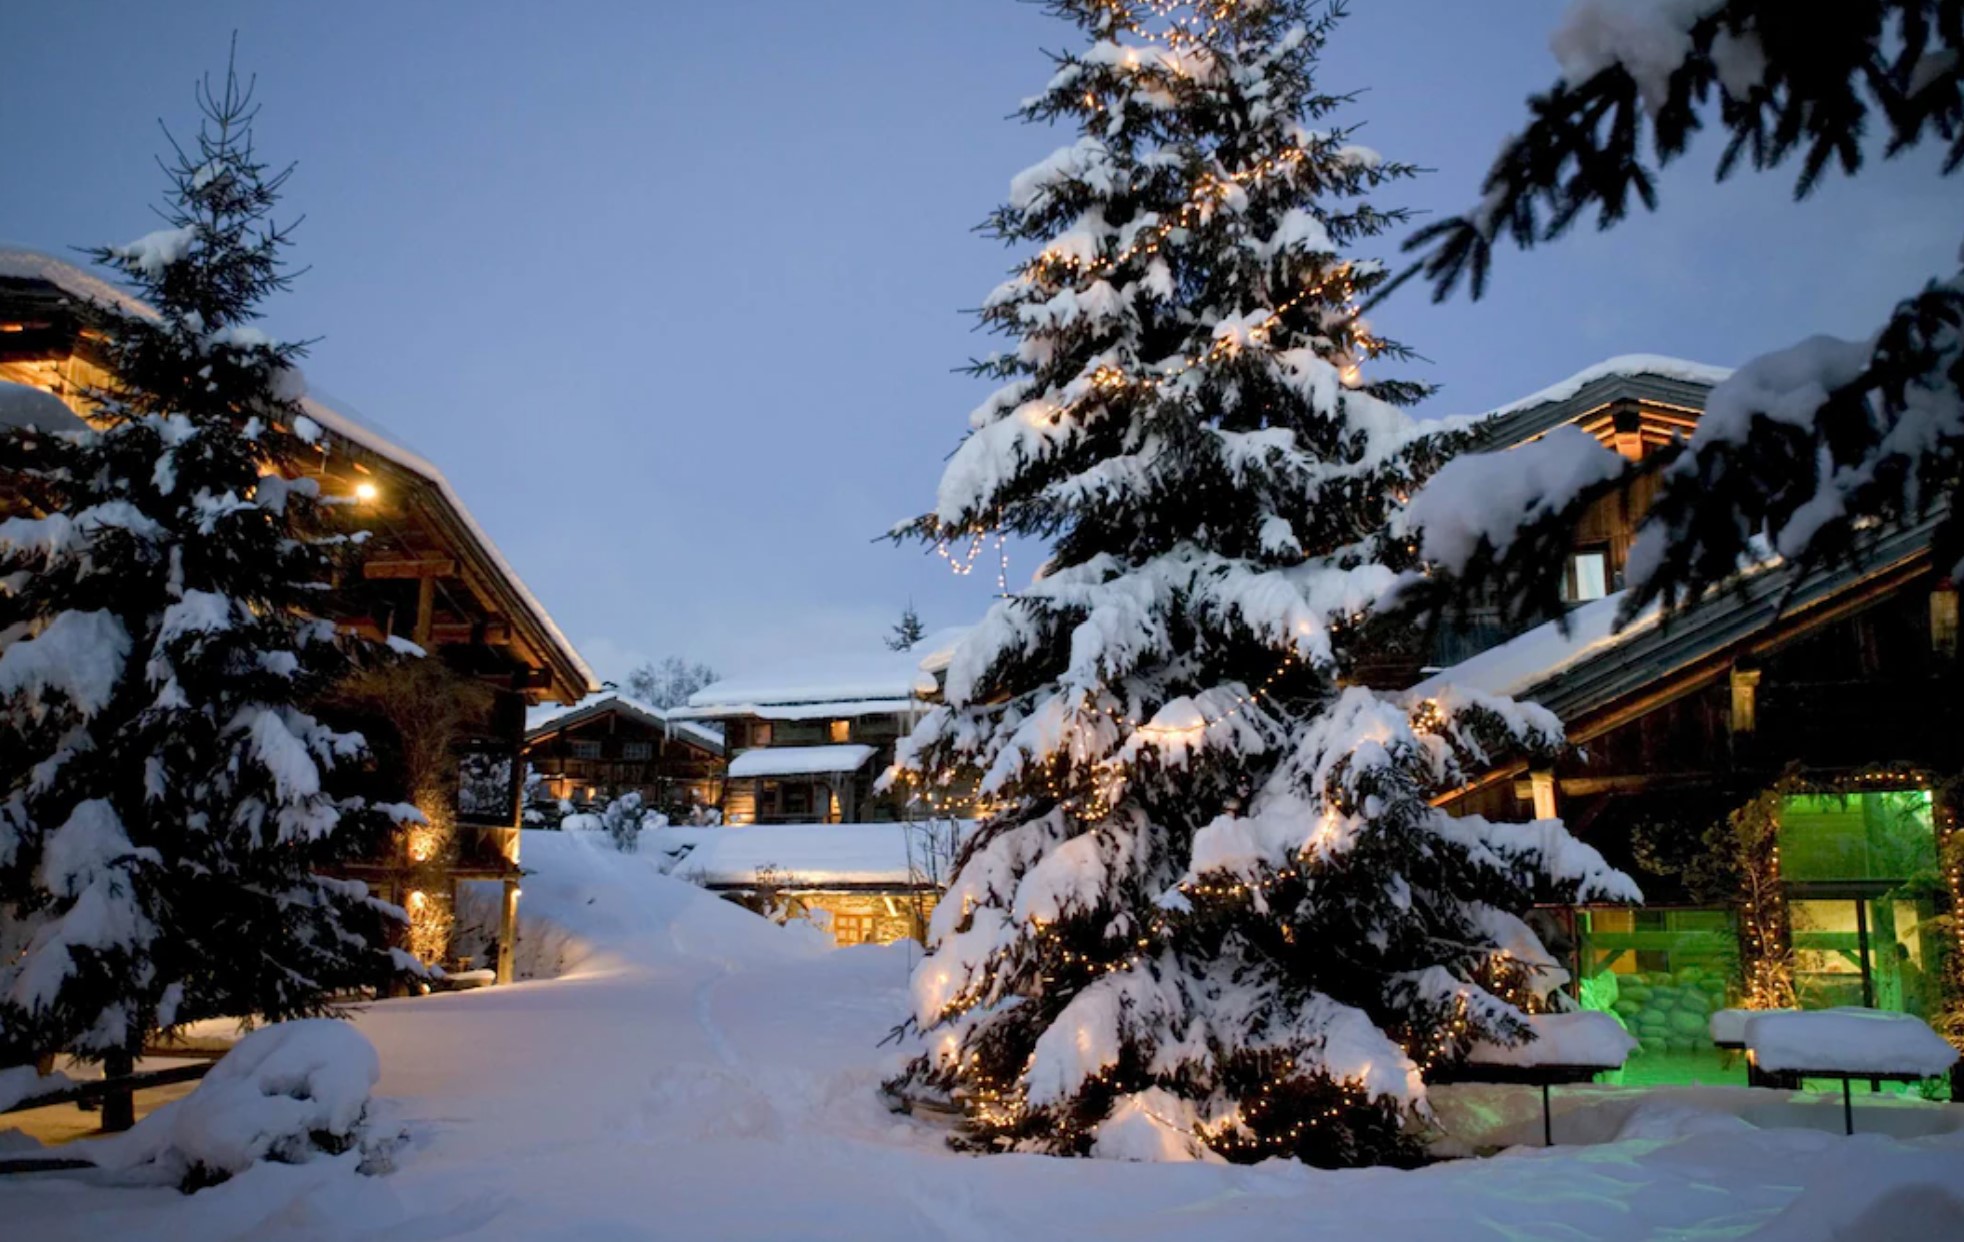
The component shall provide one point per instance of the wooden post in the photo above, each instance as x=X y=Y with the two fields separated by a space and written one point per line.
x=118 y=1107
x=425 y=610
x=1542 y=782
x=508 y=932
x=1944 y=622
x=1745 y=702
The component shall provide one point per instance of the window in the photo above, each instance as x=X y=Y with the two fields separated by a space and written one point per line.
x=852 y=928
x=586 y=749
x=1587 y=578
x=637 y=750
x=841 y=731
x=760 y=733
x=1861 y=836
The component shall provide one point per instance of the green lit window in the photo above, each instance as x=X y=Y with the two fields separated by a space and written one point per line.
x=1866 y=836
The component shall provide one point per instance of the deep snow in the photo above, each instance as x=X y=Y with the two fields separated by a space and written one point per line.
x=701 y=1073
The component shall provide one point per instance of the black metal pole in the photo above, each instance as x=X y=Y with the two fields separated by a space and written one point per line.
x=1847 y=1107
x=1547 y=1119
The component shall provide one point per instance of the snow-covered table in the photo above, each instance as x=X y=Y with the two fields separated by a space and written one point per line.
x=1566 y=1048
x=1846 y=1044
x=1729 y=1035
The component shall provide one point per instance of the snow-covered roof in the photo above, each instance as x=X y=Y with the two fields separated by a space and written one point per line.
x=20 y=263
x=335 y=417
x=23 y=405
x=1647 y=377
x=830 y=711
x=846 y=684
x=1623 y=366
x=550 y=719
x=799 y=760
x=800 y=854
x=1590 y=666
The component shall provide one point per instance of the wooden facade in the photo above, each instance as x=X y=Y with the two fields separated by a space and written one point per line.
x=430 y=576
x=836 y=797
x=611 y=746
x=1828 y=710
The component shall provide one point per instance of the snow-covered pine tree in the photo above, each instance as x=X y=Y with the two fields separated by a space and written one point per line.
x=907 y=631
x=167 y=810
x=1212 y=911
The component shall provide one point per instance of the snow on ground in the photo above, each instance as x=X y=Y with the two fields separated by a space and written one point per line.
x=700 y=1073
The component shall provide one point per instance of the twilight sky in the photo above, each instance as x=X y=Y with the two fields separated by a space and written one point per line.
x=672 y=292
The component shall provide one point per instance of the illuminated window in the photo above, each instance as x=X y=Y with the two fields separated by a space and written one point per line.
x=1587 y=578
x=760 y=733
x=852 y=928
x=841 y=731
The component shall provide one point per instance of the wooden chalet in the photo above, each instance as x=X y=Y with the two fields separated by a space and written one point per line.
x=450 y=730
x=807 y=833
x=610 y=745
x=1770 y=765
x=808 y=742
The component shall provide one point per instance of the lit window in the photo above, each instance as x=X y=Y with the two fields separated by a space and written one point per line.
x=1588 y=577
x=842 y=730
x=760 y=733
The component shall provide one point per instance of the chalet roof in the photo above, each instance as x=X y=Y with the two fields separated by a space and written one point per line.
x=343 y=424
x=848 y=684
x=1590 y=669
x=23 y=405
x=542 y=723
x=802 y=855
x=1642 y=377
x=799 y=760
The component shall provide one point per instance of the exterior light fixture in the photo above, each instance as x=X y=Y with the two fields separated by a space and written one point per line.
x=365 y=492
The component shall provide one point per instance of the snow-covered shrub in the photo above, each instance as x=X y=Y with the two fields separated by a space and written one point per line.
x=287 y=1093
x=622 y=821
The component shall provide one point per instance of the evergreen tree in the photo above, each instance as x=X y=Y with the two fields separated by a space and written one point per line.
x=669 y=683
x=167 y=807
x=1817 y=447
x=1213 y=907
x=907 y=631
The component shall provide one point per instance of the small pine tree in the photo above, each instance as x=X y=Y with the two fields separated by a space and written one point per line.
x=1214 y=907
x=167 y=810
x=907 y=631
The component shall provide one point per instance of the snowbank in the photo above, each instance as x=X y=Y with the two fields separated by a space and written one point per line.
x=587 y=908
x=892 y=853
x=1859 y=1040
x=287 y=1093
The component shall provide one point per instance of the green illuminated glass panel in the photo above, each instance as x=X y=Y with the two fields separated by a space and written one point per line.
x=1855 y=837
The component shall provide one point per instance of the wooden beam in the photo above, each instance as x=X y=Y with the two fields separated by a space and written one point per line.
x=1541 y=783
x=434 y=567
x=490 y=633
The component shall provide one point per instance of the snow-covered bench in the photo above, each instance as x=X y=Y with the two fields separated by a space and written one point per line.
x=1845 y=1044
x=1566 y=1048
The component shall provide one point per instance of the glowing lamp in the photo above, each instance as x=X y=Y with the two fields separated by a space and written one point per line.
x=365 y=492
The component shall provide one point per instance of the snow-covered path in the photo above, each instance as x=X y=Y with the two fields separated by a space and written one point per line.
x=705 y=1075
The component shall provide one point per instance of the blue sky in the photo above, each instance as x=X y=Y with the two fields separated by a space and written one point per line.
x=673 y=292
